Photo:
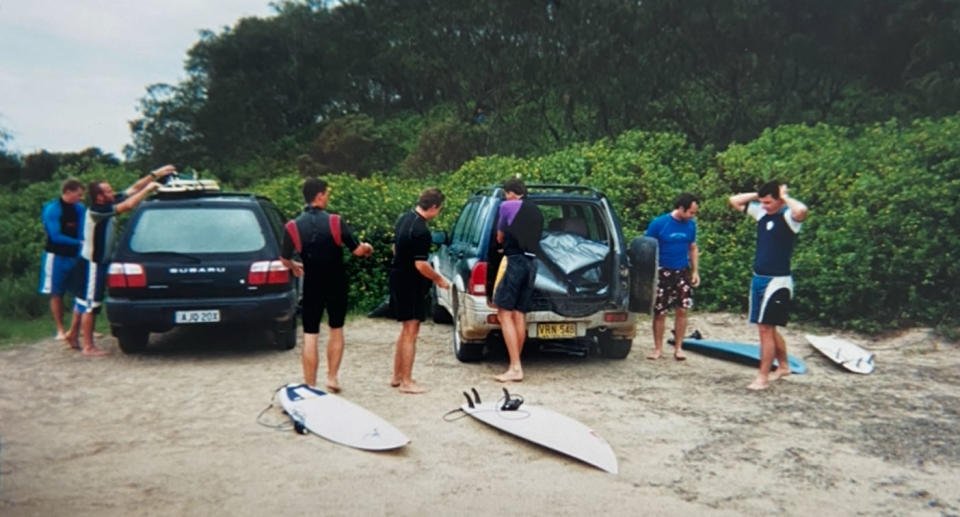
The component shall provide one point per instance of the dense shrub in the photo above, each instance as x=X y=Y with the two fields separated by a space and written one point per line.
x=877 y=251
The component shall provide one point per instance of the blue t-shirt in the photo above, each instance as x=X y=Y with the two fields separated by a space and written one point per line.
x=675 y=238
x=776 y=235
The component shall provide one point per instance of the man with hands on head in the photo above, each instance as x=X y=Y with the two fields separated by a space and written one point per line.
x=104 y=204
x=778 y=219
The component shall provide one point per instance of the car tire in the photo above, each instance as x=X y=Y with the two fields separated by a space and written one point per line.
x=643 y=274
x=131 y=340
x=615 y=348
x=439 y=314
x=466 y=351
x=285 y=335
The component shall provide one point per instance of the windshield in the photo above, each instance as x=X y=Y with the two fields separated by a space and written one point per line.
x=197 y=230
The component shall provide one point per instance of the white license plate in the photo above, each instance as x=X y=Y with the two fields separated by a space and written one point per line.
x=211 y=316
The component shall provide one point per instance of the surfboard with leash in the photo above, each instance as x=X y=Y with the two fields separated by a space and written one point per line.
x=544 y=427
x=337 y=419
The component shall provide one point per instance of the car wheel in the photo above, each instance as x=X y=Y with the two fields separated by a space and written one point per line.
x=643 y=274
x=615 y=348
x=132 y=340
x=440 y=315
x=466 y=351
x=285 y=335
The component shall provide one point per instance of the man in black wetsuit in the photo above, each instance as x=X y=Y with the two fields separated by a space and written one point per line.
x=319 y=237
x=410 y=279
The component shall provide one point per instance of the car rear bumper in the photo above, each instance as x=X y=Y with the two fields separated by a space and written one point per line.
x=158 y=315
x=476 y=326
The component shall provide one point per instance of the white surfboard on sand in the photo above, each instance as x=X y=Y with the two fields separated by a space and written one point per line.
x=843 y=352
x=545 y=427
x=339 y=420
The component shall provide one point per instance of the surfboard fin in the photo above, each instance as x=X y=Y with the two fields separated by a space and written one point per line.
x=476 y=396
x=510 y=403
x=469 y=400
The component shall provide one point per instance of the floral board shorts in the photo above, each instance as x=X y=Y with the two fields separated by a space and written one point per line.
x=673 y=290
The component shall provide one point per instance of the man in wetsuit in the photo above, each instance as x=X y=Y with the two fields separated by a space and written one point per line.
x=519 y=228
x=62 y=221
x=319 y=237
x=410 y=278
x=778 y=219
x=97 y=239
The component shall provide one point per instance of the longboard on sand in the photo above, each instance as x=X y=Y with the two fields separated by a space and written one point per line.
x=338 y=420
x=742 y=352
x=843 y=352
x=544 y=427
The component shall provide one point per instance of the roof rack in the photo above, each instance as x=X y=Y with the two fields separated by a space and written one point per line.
x=177 y=186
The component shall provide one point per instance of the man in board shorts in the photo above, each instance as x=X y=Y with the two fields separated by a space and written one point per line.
x=97 y=239
x=677 y=275
x=778 y=223
x=319 y=237
x=63 y=224
x=410 y=278
x=519 y=228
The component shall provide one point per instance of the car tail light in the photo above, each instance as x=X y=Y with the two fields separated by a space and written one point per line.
x=122 y=274
x=492 y=319
x=478 y=279
x=611 y=317
x=267 y=272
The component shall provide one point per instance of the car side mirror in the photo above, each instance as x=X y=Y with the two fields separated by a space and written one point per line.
x=438 y=237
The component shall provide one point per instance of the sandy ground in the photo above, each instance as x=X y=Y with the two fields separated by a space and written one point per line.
x=175 y=432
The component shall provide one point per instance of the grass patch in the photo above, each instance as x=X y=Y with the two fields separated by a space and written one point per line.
x=14 y=332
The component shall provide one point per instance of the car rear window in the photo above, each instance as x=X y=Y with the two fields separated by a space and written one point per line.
x=197 y=230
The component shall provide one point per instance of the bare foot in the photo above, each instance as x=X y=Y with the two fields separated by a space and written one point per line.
x=93 y=351
x=510 y=376
x=61 y=336
x=72 y=341
x=779 y=373
x=679 y=356
x=758 y=384
x=411 y=388
x=333 y=385
x=394 y=382
x=657 y=354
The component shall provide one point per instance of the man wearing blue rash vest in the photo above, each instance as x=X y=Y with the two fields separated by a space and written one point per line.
x=62 y=222
x=778 y=219
x=678 y=274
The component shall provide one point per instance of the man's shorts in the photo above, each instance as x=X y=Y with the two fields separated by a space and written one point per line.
x=408 y=295
x=674 y=290
x=513 y=288
x=323 y=294
x=770 y=299
x=94 y=278
x=59 y=274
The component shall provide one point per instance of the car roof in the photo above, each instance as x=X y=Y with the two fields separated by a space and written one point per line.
x=211 y=197
x=549 y=191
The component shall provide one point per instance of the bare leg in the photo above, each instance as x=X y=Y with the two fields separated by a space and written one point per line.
x=309 y=358
x=768 y=348
x=72 y=336
x=783 y=367
x=334 y=356
x=406 y=351
x=659 y=324
x=56 y=309
x=86 y=328
x=679 y=331
x=514 y=328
